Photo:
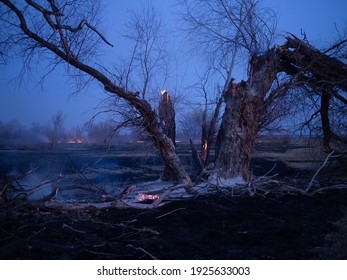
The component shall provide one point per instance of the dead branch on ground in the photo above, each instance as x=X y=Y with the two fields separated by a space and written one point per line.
x=319 y=169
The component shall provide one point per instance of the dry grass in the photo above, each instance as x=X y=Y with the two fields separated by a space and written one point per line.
x=306 y=158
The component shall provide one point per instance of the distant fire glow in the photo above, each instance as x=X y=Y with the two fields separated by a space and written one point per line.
x=143 y=196
x=73 y=141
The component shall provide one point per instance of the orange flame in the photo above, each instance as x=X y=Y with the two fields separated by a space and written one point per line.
x=204 y=151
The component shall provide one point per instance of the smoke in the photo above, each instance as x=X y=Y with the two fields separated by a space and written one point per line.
x=33 y=169
x=13 y=134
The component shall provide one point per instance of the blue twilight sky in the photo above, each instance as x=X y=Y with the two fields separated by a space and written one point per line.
x=28 y=101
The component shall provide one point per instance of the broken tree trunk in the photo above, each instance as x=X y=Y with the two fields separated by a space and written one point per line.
x=247 y=102
x=152 y=126
x=299 y=56
x=168 y=126
x=237 y=135
x=244 y=107
x=325 y=75
x=212 y=129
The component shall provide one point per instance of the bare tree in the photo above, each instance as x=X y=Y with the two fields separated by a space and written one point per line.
x=231 y=30
x=12 y=133
x=100 y=133
x=145 y=69
x=55 y=129
x=324 y=77
x=65 y=30
x=223 y=28
x=221 y=25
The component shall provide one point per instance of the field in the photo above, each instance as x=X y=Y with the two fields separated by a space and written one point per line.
x=112 y=168
x=222 y=226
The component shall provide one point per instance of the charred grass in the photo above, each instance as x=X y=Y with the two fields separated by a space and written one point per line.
x=213 y=227
x=219 y=226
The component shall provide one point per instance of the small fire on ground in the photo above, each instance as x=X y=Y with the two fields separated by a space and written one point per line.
x=143 y=196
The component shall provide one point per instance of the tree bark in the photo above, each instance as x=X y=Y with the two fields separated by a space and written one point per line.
x=237 y=135
x=197 y=166
x=212 y=128
x=244 y=106
x=324 y=112
x=322 y=68
x=168 y=126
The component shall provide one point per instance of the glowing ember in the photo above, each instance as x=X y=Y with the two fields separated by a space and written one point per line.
x=204 y=151
x=233 y=88
x=165 y=96
x=143 y=196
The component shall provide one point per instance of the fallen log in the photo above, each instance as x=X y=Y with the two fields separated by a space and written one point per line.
x=155 y=194
x=129 y=201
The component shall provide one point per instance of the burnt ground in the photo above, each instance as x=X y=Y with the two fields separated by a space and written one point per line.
x=222 y=226
x=213 y=227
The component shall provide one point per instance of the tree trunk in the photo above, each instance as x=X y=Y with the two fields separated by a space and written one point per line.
x=324 y=112
x=168 y=126
x=203 y=147
x=197 y=166
x=327 y=133
x=244 y=107
x=237 y=135
x=212 y=129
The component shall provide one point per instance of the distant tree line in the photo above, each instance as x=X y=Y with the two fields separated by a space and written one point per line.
x=53 y=133
x=101 y=133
